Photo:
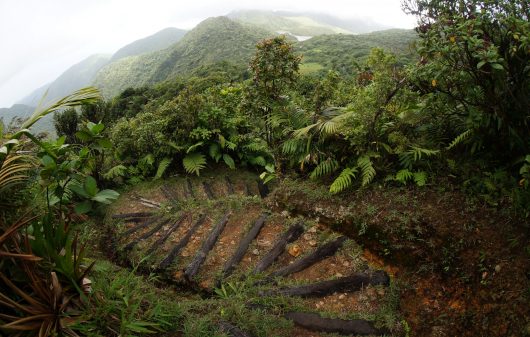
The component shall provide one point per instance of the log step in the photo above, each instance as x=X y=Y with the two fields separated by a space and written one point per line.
x=355 y=327
x=232 y=330
x=229 y=185
x=193 y=268
x=146 y=223
x=287 y=237
x=146 y=235
x=166 y=235
x=181 y=244
x=243 y=246
x=350 y=283
x=133 y=215
x=208 y=190
x=318 y=255
x=189 y=189
x=169 y=194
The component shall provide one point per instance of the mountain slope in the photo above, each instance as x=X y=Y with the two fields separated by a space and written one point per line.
x=76 y=77
x=295 y=24
x=341 y=51
x=16 y=111
x=214 y=40
x=158 y=41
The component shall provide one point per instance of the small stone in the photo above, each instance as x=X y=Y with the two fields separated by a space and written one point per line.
x=185 y=254
x=295 y=250
x=498 y=268
x=341 y=297
x=321 y=303
x=285 y=214
x=381 y=292
x=346 y=264
x=264 y=243
x=307 y=237
x=313 y=229
x=338 y=275
x=232 y=242
x=312 y=243
x=255 y=252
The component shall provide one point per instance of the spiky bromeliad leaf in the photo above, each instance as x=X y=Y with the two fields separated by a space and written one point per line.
x=460 y=139
x=343 y=181
x=367 y=169
x=162 y=167
x=324 y=168
x=194 y=162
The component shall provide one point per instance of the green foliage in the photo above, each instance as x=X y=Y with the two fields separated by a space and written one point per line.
x=194 y=162
x=343 y=181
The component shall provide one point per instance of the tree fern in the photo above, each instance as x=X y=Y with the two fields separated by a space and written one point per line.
x=343 y=181
x=162 y=167
x=194 y=162
x=460 y=139
x=324 y=168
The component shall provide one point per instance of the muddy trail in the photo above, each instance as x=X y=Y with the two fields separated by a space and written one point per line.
x=215 y=236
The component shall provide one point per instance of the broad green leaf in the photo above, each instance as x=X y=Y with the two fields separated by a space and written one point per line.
x=97 y=128
x=104 y=143
x=83 y=207
x=83 y=136
x=91 y=186
x=106 y=196
x=48 y=162
x=229 y=161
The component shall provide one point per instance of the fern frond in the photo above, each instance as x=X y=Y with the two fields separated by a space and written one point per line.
x=194 y=147
x=404 y=175
x=115 y=172
x=460 y=139
x=162 y=167
x=343 y=181
x=259 y=161
x=194 y=163
x=324 y=168
x=408 y=158
x=420 y=178
x=367 y=169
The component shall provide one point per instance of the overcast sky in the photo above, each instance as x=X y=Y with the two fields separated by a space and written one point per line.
x=39 y=39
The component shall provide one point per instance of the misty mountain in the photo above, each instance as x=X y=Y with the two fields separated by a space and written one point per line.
x=16 y=111
x=158 y=41
x=76 y=77
x=214 y=40
x=293 y=23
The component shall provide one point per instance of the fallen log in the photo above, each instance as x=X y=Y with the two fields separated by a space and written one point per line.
x=350 y=283
x=181 y=244
x=287 y=237
x=243 y=246
x=353 y=327
x=169 y=194
x=319 y=254
x=193 y=268
x=189 y=189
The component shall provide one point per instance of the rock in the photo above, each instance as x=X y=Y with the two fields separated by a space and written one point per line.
x=342 y=296
x=264 y=243
x=185 y=254
x=232 y=242
x=295 y=250
x=346 y=264
x=312 y=229
x=339 y=275
x=307 y=237
x=312 y=243
x=255 y=252
x=285 y=214
x=498 y=268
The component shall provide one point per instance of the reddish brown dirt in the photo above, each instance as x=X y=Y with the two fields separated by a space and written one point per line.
x=463 y=265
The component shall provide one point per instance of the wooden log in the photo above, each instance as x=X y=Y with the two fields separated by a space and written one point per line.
x=263 y=189
x=208 y=190
x=319 y=254
x=189 y=189
x=232 y=330
x=133 y=215
x=193 y=268
x=350 y=283
x=169 y=194
x=146 y=235
x=166 y=235
x=143 y=225
x=152 y=202
x=229 y=185
x=146 y=204
x=243 y=246
x=248 y=190
x=181 y=244
x=314 y=322
x=287 y=237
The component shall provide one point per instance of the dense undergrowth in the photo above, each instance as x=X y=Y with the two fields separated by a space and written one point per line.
x=458 y=115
